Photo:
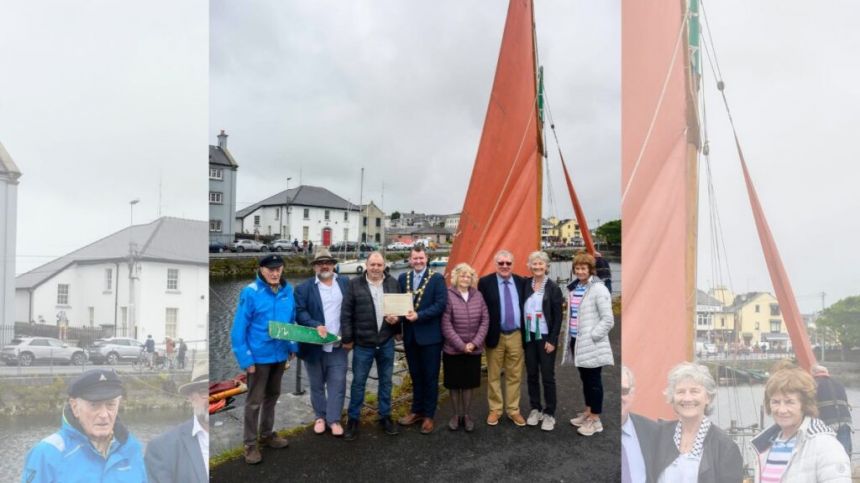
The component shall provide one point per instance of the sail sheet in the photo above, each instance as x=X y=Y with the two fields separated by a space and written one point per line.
x=502 y=207
x=656 y=325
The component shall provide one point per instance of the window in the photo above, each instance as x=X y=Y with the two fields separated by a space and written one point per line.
x=703 y=319
x=216 y=173
x=327 y=215
x=775 y=326
x=216 y=198
x=306 y=231
x=378 y=222
x=345 y=216
x=774 y=310
x=62 y=294
x=346 y=234
x=40 y=342
x=256 y=220
x=277 y=213
x=757 y=309
x=215 y=226
x=307 y=214
x=108 y=279
x=92 y=311
x=172 y=279
x=377 y=238
x=171 y=318
x=722 y=321
x=364 y=221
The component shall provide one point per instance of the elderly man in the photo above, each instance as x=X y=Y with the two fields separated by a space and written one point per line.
x=181 y=455
x=92 y=444
x=318 y=305
x=364 y=327
x=833 y=406
x=269 y=297
x=422 y=337
x=503 y=292
x=637 y=436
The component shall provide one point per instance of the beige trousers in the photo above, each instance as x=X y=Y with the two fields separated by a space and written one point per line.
x=508 y=355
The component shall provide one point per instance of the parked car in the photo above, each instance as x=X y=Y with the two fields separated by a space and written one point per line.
x=281 y=246
x=355 y=267
x=28 y=350
x=217 y=247
x=114 y=349
x=398 y=245
x=248 y=246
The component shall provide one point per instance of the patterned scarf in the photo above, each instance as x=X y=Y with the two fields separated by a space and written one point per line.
x=696 y=452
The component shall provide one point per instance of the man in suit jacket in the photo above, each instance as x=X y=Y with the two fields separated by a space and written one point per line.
x=638 y=437
x=503 y=293
x=422 y=337
x=181 y=455
x=318 y=305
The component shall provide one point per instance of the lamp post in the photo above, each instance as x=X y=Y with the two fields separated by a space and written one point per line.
x=284 y=234
x=131 y=262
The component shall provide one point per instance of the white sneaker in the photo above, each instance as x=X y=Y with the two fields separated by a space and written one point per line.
x=579 y=419
x=590 y=426
x=548 y=423
x=534 y=417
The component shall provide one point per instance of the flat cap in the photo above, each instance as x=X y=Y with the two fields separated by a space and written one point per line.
x=96 y=385
x=272 y=261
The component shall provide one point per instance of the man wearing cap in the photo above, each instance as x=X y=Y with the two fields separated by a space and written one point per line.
x=181 y=455
x=269 y=297
x=92 y=444
x=318 y=304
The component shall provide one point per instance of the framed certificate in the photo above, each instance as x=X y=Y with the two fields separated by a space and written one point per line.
x=397 y=303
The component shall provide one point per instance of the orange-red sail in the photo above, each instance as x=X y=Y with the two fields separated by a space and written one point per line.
x=656 y=328
x=577 y=208
x=502 y=208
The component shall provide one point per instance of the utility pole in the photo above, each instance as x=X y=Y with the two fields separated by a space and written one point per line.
x=286 y=210
x=131 y=329
x=822 y=330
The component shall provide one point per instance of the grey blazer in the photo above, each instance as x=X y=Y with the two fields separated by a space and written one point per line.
x=175 y=457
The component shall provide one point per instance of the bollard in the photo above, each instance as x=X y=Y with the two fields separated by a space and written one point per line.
x=299 y=391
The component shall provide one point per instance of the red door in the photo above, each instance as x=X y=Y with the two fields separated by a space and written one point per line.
x=326 y=233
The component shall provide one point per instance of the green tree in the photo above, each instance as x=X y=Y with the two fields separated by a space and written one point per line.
x=843 y=320
x=611 y=232
x=395 y=215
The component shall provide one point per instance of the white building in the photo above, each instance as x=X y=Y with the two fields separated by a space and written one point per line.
x=90 y=286
x=9 y=175
x=303 y=213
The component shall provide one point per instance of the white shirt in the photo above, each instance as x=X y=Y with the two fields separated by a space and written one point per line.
x=332 y=298
x=202 y=437
x=377 y=293
x=533 y=308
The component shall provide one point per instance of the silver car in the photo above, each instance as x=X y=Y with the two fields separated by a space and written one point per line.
x=27 y=350
x=248 y=246
x=115 y=349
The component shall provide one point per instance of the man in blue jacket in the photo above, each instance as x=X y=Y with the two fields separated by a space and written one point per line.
x=92 y=444
x=422 y=337
x=318 y=305
x=269 y=297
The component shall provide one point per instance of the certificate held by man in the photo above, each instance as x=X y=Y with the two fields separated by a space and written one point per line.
x=397 y=304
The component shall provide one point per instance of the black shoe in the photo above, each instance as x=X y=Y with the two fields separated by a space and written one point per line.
x=351 y=430
x=388 y=425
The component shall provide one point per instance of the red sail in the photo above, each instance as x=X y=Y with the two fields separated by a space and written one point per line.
x=577 y=209
x=502 y=208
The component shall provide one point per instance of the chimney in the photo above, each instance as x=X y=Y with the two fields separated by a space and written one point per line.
x=222 y=140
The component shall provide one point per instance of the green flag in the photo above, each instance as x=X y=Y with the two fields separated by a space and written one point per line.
x=298 y=333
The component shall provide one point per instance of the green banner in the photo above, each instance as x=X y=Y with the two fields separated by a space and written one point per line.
x=298 y=333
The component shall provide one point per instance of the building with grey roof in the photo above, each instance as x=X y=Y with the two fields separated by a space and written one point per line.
x=9 y=175
x=223 y=171
x=166 y=263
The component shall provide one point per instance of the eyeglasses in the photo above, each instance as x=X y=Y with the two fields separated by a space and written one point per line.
x=625 y=390
x=504 y=264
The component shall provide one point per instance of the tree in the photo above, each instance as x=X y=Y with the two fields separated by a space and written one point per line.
x=611 y=232
x=843 y=319
x=395 y=215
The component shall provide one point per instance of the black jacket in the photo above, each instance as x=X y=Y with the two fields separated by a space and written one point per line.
x=721 y=457
x=358 y=315
x=552 y=308
x=488 y=285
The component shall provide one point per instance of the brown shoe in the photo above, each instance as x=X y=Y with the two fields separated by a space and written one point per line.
x=410 y=419
x=493 y=418
x=274 y=441
x=252 y=454
x=517 y=419
x=427 y=426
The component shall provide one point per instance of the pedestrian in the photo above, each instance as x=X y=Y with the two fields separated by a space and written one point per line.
x=318 y=305
x=269 y=297
x=170 y=351
x=602 y=270
x=833 y=406
x=422 y=337
x=370 y=332
x=503 y=294
x=149 y=346
x=92 y=443
x=183 y=348
x=464 y=327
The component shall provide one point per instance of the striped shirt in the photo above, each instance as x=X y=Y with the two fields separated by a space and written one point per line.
x=774 y=462
x=575 y=301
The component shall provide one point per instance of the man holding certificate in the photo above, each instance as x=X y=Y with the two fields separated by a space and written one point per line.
x=365 y=327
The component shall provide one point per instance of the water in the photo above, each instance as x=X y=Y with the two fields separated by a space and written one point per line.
x=223 y=296
x=20 y=434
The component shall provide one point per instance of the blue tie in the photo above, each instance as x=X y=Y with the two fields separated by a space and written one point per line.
x=508 y=323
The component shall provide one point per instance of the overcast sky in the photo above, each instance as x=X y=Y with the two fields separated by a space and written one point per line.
x=101 y=101
x=314 y=91
x=791 y=81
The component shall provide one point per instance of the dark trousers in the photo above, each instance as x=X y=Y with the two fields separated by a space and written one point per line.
x=592 y=388
x=424 y=362
x=540 y=367
x=264 y=388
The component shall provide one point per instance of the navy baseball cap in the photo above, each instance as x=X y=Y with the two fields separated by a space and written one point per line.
x=96 y=385
x=272 y=261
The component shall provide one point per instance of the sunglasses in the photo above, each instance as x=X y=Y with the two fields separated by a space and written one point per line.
x=504 y=264
x=626 y=390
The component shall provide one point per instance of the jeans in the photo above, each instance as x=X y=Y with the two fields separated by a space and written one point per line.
x=362 y=359
x=328 y=377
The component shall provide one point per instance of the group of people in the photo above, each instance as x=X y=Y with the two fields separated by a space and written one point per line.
x=516 y=321
x=174 y=357
x=798 y=447
x=93 y=444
